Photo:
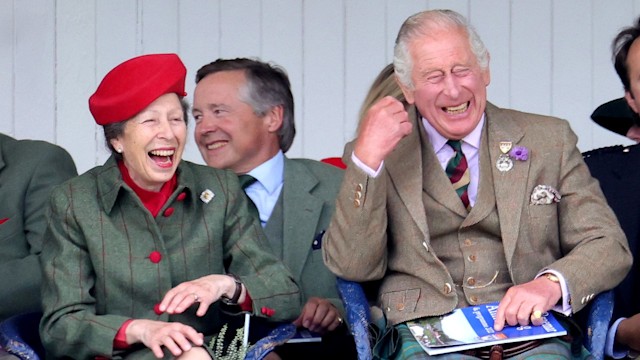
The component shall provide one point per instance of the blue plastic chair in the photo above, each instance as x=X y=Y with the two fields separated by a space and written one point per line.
x=19 y=336
x=599 y=317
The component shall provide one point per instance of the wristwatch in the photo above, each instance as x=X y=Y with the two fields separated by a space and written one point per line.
x=236 y=294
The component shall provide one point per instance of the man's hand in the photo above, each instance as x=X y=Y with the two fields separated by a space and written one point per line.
x=319 y=315
x=628 y=332
x=525 y=303
x=176 y=337
x=385 y=124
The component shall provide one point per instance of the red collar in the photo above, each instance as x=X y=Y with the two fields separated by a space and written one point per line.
x=152 y=200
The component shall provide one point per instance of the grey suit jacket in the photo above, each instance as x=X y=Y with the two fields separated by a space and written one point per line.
x=28 y=172
x=380 y=227
x=308 y=194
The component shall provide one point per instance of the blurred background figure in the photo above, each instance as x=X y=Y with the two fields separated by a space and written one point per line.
x=29 y=170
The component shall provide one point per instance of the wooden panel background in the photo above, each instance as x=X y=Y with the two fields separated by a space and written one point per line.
x=550 y=57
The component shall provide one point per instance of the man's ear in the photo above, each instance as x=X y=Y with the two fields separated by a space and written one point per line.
x=274 y=118
x=408 y=93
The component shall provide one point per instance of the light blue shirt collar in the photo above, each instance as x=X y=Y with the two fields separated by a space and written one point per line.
x=265 y=192
x=270 y=174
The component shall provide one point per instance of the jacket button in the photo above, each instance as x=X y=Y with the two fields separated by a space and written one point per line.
x=472 y=258
x=358 y=194
x=474 y=299
x=182 y=196
x=359 y=187
x=356 y=202
x=471 y=281
x=168 y=212
x=447 y=288
x=400 y=306
x=155 y=257
x=156 y=309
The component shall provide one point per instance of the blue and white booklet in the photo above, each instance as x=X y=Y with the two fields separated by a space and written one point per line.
x=472 y=327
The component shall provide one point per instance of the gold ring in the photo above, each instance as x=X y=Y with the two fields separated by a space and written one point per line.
x=536 y=314
x=196 y=298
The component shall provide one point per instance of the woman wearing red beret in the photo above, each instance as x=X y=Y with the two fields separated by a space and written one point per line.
x=140 y=250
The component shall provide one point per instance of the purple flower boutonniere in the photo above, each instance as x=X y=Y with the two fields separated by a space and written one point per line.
x=520 y=153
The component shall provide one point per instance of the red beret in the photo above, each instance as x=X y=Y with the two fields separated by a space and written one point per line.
x=133 y=85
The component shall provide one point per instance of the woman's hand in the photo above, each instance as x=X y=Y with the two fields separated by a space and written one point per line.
x=176 y=337
x=205 y=291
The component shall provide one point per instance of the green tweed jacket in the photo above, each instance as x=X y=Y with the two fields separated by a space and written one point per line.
x=28 y=172
x=106 y=259
x=308 y=195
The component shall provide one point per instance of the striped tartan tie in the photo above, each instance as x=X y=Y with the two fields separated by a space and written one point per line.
x=458 y=172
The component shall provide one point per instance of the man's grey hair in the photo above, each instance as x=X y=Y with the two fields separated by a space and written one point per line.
x=421 y=24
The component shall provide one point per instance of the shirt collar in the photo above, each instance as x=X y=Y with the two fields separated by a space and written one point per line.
x=438 y=141
x=270 y=174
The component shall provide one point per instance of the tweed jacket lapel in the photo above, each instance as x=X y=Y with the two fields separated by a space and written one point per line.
x=301 y=212
x=510 y=186
x=405 y=171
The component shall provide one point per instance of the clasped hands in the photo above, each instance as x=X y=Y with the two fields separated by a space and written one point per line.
x=524 y=304
x=177 y=337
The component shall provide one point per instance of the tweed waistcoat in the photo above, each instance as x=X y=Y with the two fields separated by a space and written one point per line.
x=470 y=246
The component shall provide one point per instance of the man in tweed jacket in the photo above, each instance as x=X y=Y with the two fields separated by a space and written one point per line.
x=538 y=234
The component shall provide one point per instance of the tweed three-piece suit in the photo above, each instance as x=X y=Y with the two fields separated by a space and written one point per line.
x=408 y=228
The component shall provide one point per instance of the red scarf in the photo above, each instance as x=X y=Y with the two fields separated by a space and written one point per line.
x=153 y=201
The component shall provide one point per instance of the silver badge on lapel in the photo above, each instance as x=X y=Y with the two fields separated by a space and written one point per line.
x=504 y=162
x=207 y=196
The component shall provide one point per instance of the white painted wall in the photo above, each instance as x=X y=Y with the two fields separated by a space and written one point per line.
x=549 y=57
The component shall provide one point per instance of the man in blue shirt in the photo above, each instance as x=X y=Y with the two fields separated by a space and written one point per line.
x=243 y=111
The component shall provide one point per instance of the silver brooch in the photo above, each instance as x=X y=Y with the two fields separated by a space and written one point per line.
x=504 y=162
x=207 y=196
